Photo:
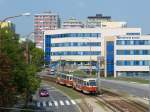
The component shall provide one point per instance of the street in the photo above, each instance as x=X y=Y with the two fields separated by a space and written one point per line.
x=56 y=102
x=135 y=89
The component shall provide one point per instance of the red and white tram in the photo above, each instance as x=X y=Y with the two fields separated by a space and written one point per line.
x=65 y=79
x=86 y=85
x=80 y=83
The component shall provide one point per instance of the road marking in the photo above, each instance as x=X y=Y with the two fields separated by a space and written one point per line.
x=52 y=90
x=146 y=98
x=67 y=102
x=44 y=104
x=38 y=104
x=55 y=103
x=133 y=82
x=61 y=102
x=73 y=102
x=53 y=87
x=50 y=103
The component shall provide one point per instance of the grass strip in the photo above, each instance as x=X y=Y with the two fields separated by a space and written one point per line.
x=132 y=79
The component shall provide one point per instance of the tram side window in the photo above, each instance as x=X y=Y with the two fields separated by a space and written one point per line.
x=92 y=83
x=70 y=78
x=87 y=83
x=81 y=82
x=75 y=79
x=67 y=77
x=84 y=83
x=63 y=76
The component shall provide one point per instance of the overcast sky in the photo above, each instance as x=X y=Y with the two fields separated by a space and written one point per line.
x=135 y=12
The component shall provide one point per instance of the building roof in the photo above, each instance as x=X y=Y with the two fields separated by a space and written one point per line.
x=99 y=16
x=46 y=13
x=72 y=20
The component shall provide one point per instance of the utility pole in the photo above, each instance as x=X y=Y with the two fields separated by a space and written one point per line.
x=99 y=73
x=27 y=47
x=90 y=55
x=149 y=88
x=90 y=59
x=1 y=38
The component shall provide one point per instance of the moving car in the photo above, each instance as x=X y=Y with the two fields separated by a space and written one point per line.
x=43 y=93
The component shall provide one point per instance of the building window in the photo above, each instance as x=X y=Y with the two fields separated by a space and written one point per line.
x=133 y=33
x=73 y=44
x=133 y=42
x=133 y=62
x=133 y=52
x=76 y=35
x=75 y=53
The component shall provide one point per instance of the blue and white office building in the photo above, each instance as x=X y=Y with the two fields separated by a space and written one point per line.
x=77 y=46
x=125 y=51
x=132 y=55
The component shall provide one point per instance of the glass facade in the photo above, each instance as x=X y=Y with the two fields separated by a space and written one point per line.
x=137 y=74
x=133 y=42
x=133 y=63
x=75 y=53
x=133 y=33
x=47 y=49
x=65 y=35
x=110 y=58
x=73 y=44
x=133 y=52
x=49 y=45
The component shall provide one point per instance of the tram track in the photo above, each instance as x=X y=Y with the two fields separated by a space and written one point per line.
x=113 y=101
x=121 y=104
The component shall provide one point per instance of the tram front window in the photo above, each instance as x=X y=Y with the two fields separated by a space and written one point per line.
x=70 y=78
x=92 y=83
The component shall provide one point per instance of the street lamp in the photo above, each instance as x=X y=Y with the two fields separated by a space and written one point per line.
x=5 y=19
x=26 y=14
x=149 y=88
x=100 y=59
x=90 y=55
x=28 y=56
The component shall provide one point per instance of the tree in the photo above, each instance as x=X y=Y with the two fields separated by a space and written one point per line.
x=37 y=57
x=7 y=88
x=16 y=76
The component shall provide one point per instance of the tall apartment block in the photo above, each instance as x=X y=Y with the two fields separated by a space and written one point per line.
x=72 y=23
x=95 y=21
x=44 y=21
x=103 y=22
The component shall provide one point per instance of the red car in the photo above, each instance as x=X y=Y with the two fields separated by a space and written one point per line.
x=43 y=93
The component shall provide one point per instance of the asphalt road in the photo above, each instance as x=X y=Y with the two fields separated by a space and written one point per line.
x=56 y=102
x=135 y=89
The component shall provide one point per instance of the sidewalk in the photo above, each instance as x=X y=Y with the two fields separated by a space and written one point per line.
x=97 y=106
x=94 y=105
